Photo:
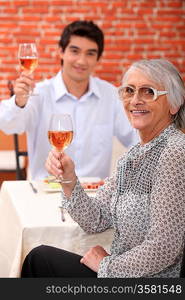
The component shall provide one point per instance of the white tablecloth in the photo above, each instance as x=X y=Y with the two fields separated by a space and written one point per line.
x=28 y=220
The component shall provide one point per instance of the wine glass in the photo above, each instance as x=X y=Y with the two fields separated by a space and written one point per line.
x=60 y=135
x=28 y=58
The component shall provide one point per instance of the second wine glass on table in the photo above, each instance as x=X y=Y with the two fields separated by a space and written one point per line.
x=60 y=135
x=28 y=58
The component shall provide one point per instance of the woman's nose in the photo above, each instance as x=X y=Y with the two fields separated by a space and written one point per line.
x=136 y=99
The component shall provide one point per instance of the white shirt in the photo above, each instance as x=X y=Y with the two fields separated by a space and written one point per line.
x=97 y=116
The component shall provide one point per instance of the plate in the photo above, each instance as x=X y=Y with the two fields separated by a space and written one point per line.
x=89 y=179
x=51 y=190
x=49 y=186
x=90 y=184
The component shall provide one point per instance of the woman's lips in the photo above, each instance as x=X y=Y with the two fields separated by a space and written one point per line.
x=139 y=112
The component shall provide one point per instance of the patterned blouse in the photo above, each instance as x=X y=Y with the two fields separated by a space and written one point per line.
x=144 y=201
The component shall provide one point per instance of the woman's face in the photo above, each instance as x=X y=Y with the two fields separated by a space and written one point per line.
x=150 y=118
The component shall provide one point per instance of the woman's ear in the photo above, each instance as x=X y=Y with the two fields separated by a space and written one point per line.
x=174 y=110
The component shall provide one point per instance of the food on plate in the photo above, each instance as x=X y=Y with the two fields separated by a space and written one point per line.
x=88 y=183
x=51 y=184
x=92 y=185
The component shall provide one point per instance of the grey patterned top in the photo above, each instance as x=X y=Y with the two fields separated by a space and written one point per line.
x=144 y=201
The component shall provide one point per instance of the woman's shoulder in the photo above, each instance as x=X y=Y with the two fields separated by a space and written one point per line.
x=176 y=140
x=175 y=147
x=122 y=158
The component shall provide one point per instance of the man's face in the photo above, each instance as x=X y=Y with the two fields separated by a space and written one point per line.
x=79 y=58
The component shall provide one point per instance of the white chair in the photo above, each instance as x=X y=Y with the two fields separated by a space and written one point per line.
x=12 y=160
x=118 y=150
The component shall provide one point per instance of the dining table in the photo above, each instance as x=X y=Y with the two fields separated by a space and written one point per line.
x=31 y=215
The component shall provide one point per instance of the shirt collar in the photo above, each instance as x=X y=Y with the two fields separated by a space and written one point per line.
x=59 y=86
x=93 y=87
x=168 y=131
x=61 y=90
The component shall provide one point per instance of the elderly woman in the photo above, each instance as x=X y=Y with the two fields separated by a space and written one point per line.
x=144 y=200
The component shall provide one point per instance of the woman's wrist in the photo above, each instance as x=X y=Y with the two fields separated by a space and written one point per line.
x=69 y=179
x=69 y=185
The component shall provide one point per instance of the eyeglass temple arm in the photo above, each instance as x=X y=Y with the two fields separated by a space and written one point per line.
x=162 y=93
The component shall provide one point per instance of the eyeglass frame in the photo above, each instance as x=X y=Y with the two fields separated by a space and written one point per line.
x=155 y=91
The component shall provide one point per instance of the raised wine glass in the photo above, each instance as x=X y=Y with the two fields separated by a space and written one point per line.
x=60 y=135
x=28 y=58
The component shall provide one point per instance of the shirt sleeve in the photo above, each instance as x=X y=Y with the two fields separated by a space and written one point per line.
x=93 y=214
x=163 y=243
x=14 y=119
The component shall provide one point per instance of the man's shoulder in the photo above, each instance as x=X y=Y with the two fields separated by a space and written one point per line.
x=46 y=86
x=102 y=82
x=45 y=82
x=50 y=81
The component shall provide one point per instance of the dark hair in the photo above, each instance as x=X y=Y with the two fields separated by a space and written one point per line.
x=85 y=29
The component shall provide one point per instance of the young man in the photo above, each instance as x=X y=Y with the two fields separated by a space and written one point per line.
x=93 y=104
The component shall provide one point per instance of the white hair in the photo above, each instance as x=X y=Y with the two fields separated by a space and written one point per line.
x=166 y=74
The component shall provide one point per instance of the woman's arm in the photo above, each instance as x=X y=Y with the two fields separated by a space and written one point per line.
x=91 y=213
x=163 y=242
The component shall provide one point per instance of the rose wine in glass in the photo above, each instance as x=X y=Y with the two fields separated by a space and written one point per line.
x=60 y=139
x=28 y=57
x=28 y=64
x=60 y=134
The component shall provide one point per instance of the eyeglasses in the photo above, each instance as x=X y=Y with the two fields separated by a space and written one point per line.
x=148 y=94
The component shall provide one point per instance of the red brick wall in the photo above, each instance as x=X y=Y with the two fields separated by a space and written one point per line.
x=134 y=29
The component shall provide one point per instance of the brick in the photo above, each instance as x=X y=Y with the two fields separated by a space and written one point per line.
x=134 y=56
x=7 y=25
x=10 y=11
x=21 y=3
x=4 y=3
x=35 y=10
x=173 y=4
x=176 y=4
x=146 y=11
x=26 y=34
x=118 y=4
x=113 y=56
x=30 y=18
x=61 y=3
x=168 y=12
x=53 y=19
x=143 y=41
x=171 y=19
x=7 y=18
x=162 y=26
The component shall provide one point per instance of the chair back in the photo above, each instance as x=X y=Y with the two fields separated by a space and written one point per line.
x=20 y=175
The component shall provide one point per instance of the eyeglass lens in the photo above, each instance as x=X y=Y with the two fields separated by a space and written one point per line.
x=144 y=93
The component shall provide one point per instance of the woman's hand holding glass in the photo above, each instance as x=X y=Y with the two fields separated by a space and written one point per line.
x=61 y=166
x=60 y=135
